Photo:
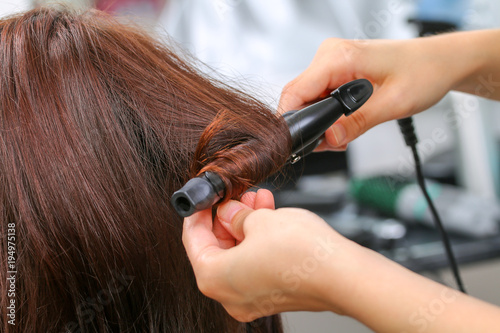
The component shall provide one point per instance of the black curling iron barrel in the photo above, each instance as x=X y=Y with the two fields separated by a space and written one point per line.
x=307 y=126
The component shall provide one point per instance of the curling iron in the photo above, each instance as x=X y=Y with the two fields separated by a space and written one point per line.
x=307 y=127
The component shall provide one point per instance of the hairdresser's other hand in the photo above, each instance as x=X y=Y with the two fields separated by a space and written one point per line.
x=405 y=82
x=408 y=76
x=290 y=259
x=277 y=265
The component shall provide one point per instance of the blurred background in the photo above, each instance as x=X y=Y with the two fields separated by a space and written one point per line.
x=262 y=45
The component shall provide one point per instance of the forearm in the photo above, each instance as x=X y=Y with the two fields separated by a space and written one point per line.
x=390 y=298
x=471 y=59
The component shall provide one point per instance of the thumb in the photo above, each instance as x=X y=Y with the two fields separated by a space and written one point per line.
x=232 y=215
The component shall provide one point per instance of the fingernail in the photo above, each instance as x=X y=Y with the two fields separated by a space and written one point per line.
x=339 y=133
x=226 y=211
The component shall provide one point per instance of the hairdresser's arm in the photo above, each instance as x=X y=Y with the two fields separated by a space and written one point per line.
x=290 y=259
x=409 y=76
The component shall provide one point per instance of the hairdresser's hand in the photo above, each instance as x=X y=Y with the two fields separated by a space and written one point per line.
x=408 y=76
x=290 y=259
x=404 y=77
x=278 y=264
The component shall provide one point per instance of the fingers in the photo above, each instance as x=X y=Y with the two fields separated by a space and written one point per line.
x=381 y=107
x=375 y=111
x=226 y=240
x=248 y=198
x=264 y=199
x=261 y=199
x=232 y=215
x=328 y=70
x=200 y=233
x=337 y=62
x=197 y=235
x=307 y=87
x=325 y=146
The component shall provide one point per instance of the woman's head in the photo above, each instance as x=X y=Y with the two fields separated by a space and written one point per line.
x=99 y=124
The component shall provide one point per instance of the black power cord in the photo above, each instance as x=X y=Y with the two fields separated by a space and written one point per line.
x=408 y=131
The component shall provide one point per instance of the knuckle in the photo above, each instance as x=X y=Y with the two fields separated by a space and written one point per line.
x=338 y=46
x=206 y=285
x=206 y=278
x=286 y=89
x=289 y=90
x=288 y=95
x=329 y=43
x=242 y=314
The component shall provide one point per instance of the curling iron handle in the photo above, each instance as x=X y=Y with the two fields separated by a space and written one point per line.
x=310 y=124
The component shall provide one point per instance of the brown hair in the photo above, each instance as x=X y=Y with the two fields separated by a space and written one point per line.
x=99 y=124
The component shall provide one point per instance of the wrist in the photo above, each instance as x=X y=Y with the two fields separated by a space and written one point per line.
x=448 y=58
x=466 y=56
x=341 y=278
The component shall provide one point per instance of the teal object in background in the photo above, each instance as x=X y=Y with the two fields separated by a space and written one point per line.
x=461 y=212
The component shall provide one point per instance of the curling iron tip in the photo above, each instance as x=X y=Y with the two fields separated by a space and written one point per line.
x=198 y=193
